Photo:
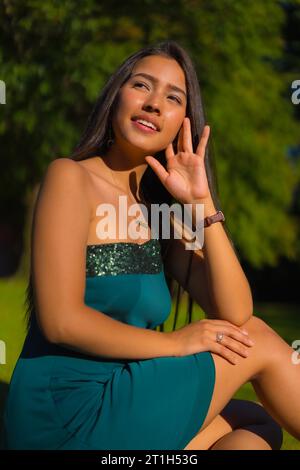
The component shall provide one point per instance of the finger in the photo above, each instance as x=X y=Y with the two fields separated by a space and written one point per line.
x=224 y=352
x=234 y=346
x=158 y=169
x=244 y=339
x=169 y=151
x=179 y=142
x=187 y=136
x=237 y=335
x=203 y=141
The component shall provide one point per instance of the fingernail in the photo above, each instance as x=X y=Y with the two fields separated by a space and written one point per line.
x=245 y=332
x=251 y=342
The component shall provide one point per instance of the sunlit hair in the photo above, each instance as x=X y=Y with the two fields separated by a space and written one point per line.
x=98 y=132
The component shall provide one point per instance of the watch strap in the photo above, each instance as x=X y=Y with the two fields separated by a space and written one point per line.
x=212 y=219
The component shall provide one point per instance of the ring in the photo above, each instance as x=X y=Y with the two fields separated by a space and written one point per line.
x=219 y=337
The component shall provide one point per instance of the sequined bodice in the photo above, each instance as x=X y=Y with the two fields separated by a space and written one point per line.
x=123 y=257
x=127 y=282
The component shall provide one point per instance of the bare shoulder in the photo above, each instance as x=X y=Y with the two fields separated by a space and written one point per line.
x=100 y=187
x=98 y=172
x=66 y=168
x=68 y=175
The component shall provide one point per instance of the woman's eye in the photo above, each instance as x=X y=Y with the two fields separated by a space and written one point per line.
x=175 y=98
x=139 y=84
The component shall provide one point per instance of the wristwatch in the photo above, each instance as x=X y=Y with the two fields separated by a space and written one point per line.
x=212 y=219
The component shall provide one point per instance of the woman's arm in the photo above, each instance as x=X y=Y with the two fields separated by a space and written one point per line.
x=228 y=284
x=92 y=332
x=217 y=281
x=225 y=286
x=60 y=232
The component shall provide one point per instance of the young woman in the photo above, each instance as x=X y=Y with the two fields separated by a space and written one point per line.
x=95 y=373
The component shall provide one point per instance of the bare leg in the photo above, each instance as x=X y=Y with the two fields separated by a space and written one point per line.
x=241 y=425
x=244 y=439
x=274 y=377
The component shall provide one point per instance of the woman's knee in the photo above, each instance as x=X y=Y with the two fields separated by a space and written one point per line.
x=271 y=348
x=257 y=325
x=266 y=340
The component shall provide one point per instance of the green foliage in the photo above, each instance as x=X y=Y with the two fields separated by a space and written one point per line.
x=252 y=124
x=55 y=57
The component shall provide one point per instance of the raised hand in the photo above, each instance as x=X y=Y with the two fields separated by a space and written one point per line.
x=185 y=177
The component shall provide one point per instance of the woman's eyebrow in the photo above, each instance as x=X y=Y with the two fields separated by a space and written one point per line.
x=154 y=79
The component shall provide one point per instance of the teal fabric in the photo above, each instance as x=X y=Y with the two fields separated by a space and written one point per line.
x=61 y=399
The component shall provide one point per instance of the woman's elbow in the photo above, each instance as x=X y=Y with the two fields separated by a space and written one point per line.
x=244 y=309
x=54 y=331
x=242 y=319
x=243 y=314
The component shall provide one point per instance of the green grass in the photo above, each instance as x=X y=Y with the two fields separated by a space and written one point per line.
x=283 y=318
x=12 y=324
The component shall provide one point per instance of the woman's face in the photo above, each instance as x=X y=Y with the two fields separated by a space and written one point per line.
x=155 y=93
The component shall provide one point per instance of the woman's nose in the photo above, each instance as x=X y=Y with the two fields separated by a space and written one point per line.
x=153 y=103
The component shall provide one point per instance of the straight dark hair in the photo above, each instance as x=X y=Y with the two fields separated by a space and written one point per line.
x=98 y=133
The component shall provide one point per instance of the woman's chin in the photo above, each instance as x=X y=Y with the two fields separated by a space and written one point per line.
x=145 y=149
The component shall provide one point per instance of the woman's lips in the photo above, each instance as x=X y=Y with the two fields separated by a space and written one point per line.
x=143 y=128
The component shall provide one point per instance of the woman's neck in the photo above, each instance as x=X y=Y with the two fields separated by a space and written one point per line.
x=124 y=173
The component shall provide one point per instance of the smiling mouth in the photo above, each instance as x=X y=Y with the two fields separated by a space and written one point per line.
x=146 y=128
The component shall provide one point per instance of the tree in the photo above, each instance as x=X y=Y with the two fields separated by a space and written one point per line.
x=55 y=57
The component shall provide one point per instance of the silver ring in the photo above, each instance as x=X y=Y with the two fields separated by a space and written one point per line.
x=219 y=337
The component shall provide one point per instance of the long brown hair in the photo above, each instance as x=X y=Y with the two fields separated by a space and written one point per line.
x=98 y=132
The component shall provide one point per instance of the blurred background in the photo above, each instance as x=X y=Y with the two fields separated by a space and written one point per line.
x=55 y=56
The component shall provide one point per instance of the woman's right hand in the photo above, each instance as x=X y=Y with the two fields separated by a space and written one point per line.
x=201 y=336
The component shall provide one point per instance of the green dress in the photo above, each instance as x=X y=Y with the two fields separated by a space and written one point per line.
x=62 y=399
